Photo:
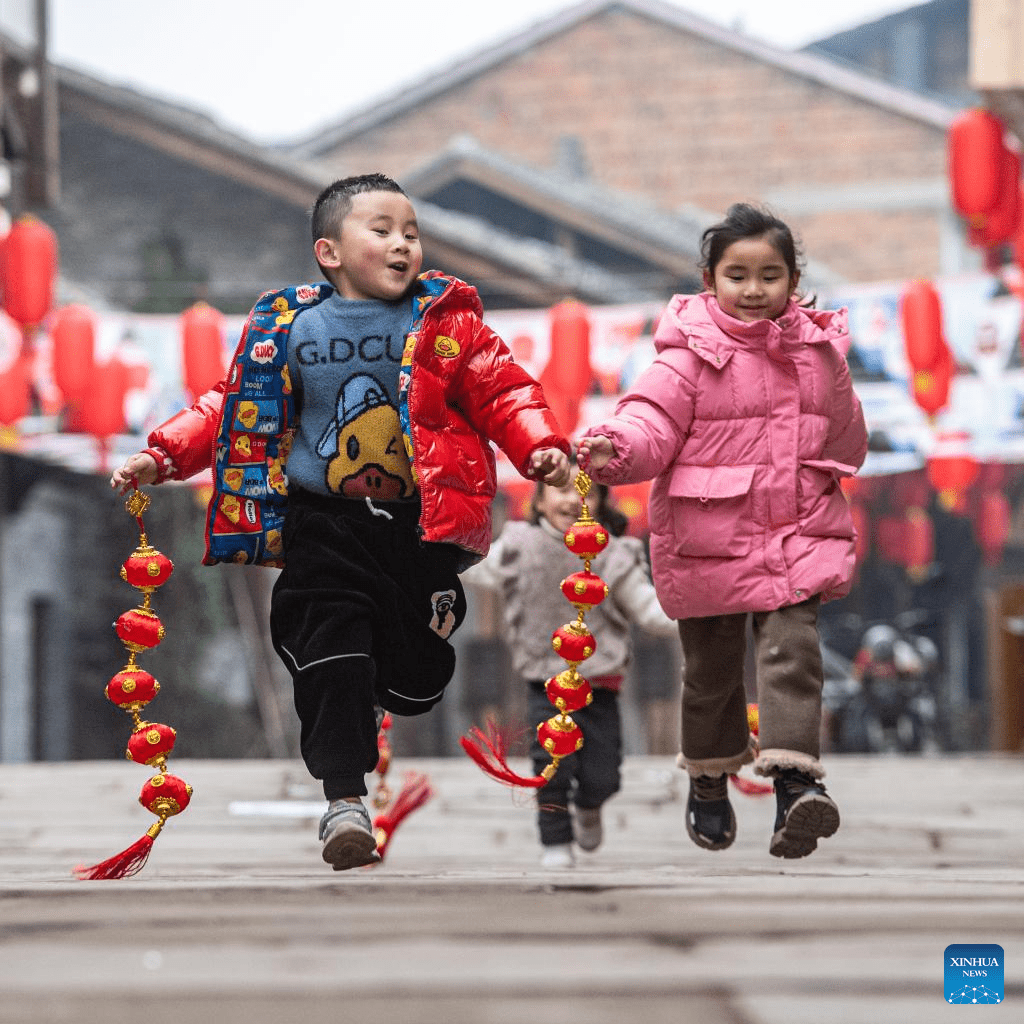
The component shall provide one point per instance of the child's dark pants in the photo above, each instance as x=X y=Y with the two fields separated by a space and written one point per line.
x=789 y=684
x=594 y=768
x=361 y=615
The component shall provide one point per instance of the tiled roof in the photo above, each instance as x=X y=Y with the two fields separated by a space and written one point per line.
x=803 y=64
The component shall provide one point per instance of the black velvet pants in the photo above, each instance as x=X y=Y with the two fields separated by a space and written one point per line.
x=361 y=614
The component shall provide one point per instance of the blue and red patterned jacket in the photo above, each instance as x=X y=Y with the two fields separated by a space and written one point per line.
x=459 y=389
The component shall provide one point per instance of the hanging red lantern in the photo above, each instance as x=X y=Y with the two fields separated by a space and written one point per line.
x=586 y=538
x=165 y=795
x=974 y=145
x=28 y=270
x=569 y=364
x=15 y=393
x=584 y=590
x=993 y=525
x=139 y=629
x=74 y=344
x=931 y=387
x=202 y=333
x=951 y=475
x=102 y=408
x=921 y=315
x=568 y=691
x=1001 y=222
x=560 y=736
x=150 y=743
x=573 y=642
x=132 y=688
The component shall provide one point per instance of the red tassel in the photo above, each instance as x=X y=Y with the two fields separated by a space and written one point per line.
x=490 y=753
x=124 y=864
x=750 y=787
x=415 y=792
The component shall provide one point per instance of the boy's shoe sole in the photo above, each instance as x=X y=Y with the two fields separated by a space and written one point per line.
x=810 y=818
x=349 y=846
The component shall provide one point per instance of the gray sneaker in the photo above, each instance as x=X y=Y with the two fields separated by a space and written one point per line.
x=347 y=834
x=588 y=828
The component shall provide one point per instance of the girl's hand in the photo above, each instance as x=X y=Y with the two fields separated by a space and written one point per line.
x=550 y=465
x=596 y=452
x=141 y=467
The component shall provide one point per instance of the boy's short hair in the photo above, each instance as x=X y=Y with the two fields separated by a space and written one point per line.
x=333 y=204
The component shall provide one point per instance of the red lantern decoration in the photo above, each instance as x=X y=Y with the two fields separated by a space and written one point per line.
x=568 y=691
x=146 y=568
x=151 y=743
x=139 y=629
x=921 y=314
x=28 y=269
x=951 y=475
x=202 y=330
x=568 y=368
x=931 y=387
x=560 y=736
x=132 y=688
x=1002 y=220
x=102 y=409
x=165 y=795
x=974 y=148
x=993 y=525
x=573 y=642
x=567 y=376
x=586 y=539
x=15 y=393
x=584 y=590
x=74 y=343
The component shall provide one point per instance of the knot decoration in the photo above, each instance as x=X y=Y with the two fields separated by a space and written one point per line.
x=131 y=689
x=568 y=691
x=750 y=786
x=394 y=809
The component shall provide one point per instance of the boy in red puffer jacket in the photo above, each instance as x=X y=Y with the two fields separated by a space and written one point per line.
x=382 y=391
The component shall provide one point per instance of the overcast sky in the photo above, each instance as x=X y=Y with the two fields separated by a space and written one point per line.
x=277 y=69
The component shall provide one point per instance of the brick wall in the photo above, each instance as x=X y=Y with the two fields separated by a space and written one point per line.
x=670 y=115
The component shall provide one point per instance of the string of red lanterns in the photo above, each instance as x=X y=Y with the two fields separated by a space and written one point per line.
x=131 y=689
x=568 y=691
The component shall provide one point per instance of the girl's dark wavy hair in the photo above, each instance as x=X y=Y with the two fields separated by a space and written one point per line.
x=745 y=220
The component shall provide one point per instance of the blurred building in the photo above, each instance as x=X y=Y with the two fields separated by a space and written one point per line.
x=924 y=48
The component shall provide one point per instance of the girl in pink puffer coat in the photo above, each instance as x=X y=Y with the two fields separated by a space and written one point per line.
x=746 y=421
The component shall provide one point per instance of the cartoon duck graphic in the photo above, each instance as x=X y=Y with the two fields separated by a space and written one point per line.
x=285 y=315
x=363 y=444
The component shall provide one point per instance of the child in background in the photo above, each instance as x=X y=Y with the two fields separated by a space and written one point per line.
x=746 y=421
x=382 y=391
x=526 y=564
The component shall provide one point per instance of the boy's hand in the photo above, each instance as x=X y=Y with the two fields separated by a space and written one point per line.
x=141 y=466
x=550 y=465
x=596 y=452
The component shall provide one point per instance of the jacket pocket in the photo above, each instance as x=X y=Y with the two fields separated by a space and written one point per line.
x=711 y=510
x=823 y=509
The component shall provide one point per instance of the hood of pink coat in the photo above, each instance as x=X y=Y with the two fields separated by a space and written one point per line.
x=698 y=322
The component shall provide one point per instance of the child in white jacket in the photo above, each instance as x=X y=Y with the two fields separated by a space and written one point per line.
x=526 y=564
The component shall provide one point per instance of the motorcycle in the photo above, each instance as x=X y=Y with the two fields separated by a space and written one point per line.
x=885 y=700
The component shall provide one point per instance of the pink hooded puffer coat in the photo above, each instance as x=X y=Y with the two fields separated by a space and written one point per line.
x=746 y=429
